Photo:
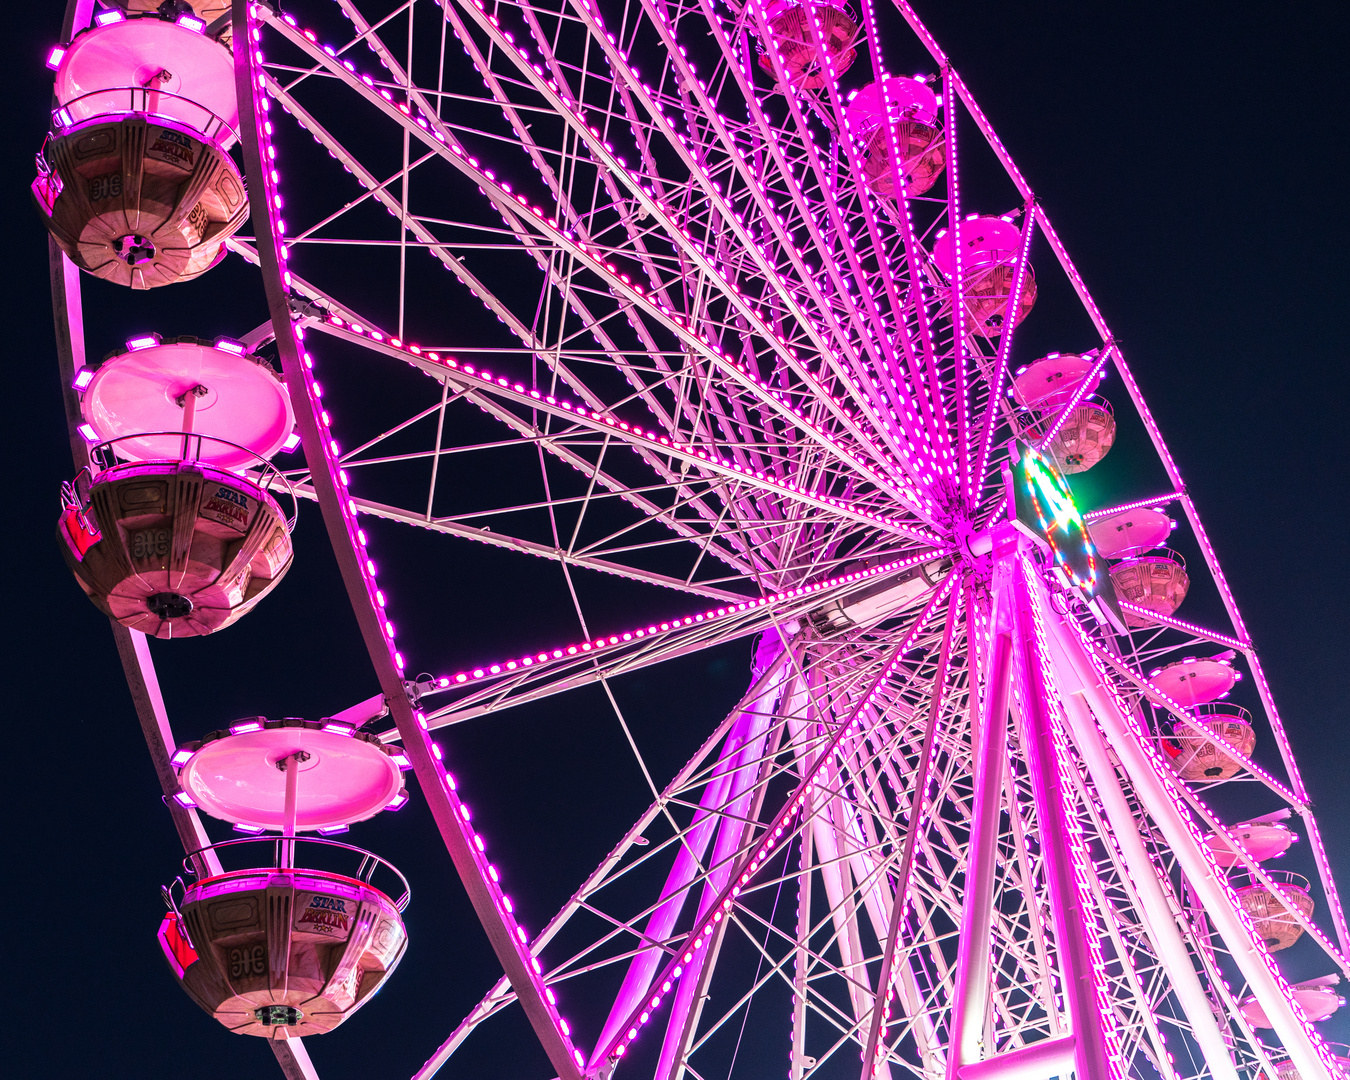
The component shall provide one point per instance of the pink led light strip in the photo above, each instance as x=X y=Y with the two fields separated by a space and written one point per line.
x=661 y=444
x=956 y=291
x=467 y=848
x=763 y=850
x=595 y=258
x=657 y=629
x=1276 y=724
x=924 y=375
x=1179 y=624
x=1108 y=511
x=923 y=369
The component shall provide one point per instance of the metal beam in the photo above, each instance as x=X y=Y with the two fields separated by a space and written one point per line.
x=357 y=574
x=1155 y=910
x=1039 y=1061
x=1079 y=977
x=1147 y=773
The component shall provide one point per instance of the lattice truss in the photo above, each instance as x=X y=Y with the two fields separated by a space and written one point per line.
x=602 y=252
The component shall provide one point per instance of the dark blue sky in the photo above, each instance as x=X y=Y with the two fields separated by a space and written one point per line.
x=1193 y=157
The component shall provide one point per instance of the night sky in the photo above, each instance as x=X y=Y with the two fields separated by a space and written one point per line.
x=1192 y=157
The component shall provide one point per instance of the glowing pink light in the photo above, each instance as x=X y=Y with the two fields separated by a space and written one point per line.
x=83 y=378
x=191 y=22
x=107 y=18
x=230 y=345
x=143 y=341
x=449 y=780
x=54 y=57
x=182 y=798
x=292 y=441
x=712 y=615
x=1107 y=511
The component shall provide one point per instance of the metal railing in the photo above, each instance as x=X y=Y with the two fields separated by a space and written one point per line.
x=268 y=479
x=1221 y=710
x=367 y=863
x=1162 y=554
x=1037 y=418
x=114 y=101
x=1242 y=879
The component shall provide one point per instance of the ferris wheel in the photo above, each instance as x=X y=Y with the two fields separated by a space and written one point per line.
x=726 y=302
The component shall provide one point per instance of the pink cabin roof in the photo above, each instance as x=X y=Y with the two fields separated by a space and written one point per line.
x=188 y=76
x=905 y=97
x=985 y=241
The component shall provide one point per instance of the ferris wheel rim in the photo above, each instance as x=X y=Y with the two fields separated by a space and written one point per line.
x=865 y=514
x=1014 y=290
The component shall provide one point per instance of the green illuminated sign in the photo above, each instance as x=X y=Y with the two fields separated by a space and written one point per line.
x=1046 y=507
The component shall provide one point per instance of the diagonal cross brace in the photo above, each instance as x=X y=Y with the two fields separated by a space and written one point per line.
x=451 y=816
